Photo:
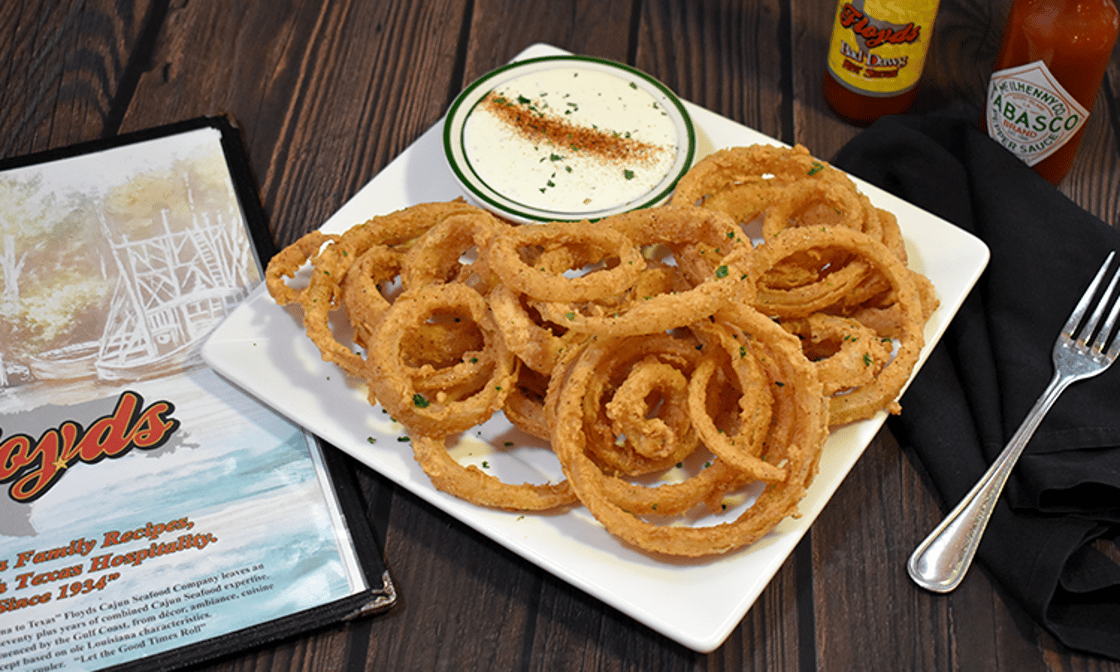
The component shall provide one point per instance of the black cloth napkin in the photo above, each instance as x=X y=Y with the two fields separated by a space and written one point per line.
x=1053 y=531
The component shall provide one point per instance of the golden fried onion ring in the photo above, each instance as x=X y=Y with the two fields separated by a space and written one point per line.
x=486 y=377
x=640 y=346
x=798 y=455
x=865 y=400
x=712 y=283
x=471 y=484
x=593 y=243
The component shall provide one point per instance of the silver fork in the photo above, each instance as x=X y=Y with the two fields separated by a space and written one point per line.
x=940 y=562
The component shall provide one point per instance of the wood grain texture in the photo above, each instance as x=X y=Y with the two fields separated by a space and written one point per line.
x=327 y=93
x=723 y=55
x=65 y=63
x=500 y=29
x=814 y=124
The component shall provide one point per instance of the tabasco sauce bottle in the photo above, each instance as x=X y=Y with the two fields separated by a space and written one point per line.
x=1050 y=65
x=876 y=56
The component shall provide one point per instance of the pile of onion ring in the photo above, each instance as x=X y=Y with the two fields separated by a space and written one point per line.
x=832 y=269
x=678 y=368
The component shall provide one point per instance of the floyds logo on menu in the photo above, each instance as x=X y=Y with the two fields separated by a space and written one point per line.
x=33 y=466
x=1030 y=113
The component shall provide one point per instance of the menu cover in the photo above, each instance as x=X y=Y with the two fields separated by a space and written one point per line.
x=152 y=514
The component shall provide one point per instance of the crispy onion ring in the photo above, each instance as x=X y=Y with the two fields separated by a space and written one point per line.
x=287 y=262
x=624 y=367
x=819 y=203
x=362 y=290
x=476 y=486
x=437 y=255
x=524 y=406
x=846 y=352
x=595 y=244
x=675 y=368
x=743 y=181
x=799 y=456
x=693 y=231
x=630 y=409
x=865 y=400
x=487 y=377
x=324 y=292
x=666 y=498
x=535 y=341
x=828 y=284
x=742 y=445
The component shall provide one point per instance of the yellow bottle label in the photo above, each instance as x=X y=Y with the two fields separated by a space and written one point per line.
x=879 y=47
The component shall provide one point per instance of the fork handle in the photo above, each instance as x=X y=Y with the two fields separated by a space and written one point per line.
x=941 y=561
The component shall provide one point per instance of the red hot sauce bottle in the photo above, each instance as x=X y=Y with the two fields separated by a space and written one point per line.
x=1049 y=68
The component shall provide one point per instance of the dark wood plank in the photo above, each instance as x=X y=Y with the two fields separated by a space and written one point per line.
x=585 y=27
x=326 y=93
x=1093 y=181
x=483 y=615
x=725 y=56
x=966 y=37
x=770 y=636
x=815 y=126
x=64 y=65
x=860 y=540
x=575 y=631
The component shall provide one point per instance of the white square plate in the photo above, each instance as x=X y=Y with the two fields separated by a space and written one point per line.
x=262 y=348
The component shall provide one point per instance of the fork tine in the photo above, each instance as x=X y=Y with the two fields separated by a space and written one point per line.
x=1070 y=329
x=1106 y=330
x=1101 y=339
x=1098 y=341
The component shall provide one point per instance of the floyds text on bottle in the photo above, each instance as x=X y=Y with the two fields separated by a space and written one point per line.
x=873 y=52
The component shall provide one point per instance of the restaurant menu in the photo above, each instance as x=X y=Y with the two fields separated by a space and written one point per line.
x=151 y=512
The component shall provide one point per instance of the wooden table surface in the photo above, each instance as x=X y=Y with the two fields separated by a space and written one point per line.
x=326 y=94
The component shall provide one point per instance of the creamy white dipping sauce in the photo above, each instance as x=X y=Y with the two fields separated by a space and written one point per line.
x=570 y=140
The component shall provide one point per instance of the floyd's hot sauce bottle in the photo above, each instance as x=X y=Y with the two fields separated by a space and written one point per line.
x=1050 y=65
x=876 y=56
